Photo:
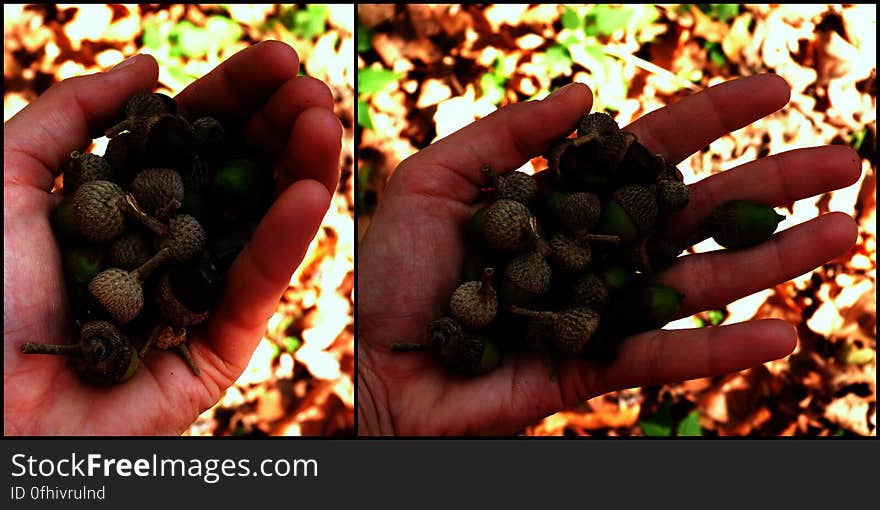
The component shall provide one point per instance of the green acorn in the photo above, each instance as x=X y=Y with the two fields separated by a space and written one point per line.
x=516 y=185
x=63 y=220
x=742 y=223
x=241 y=184
x=572 y=328
x=631 y=213
x=81 y=264
x=643 y=308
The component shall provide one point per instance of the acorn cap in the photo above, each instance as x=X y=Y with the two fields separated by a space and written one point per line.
x=529 y=272
x=185 y=238
x=597 y=123
x=475 y=304
x=130 y=250
x=109 y=357
x=119 y=292
x=461 y=351
x=83 y=167
x=632 y=212
x=576 y=211
x=589 y=290
x=569 y=254
x=672 y=194
x=506 y=226
x=158 y=190
x=196 y=284
x=209 y=133
x=172 y=310
x=97 y=210
x=123 y=155
x=743 y=223
x=572 y=328
x=147 y=104
x=515 y=185
x=169 y=141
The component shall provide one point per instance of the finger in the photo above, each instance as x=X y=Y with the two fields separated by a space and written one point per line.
x=503 y=141
x=664 y=356
x=269 y=128
x=712 y=280
x=313 y=151
x=774 y=180
x=39 y=139
x=682 y=128
x=262 y=271
x=241 y=85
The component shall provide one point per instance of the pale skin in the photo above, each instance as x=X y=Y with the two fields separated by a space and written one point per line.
x=410 y=257
x=289 y=117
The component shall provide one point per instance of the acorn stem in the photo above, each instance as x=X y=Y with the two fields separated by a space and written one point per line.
x=187 y=356
x=490 y=176
x=583 y=140
x=144 y=272
x=63 y=349
x=532 y=313
x=486 y=282
x=132 y=207
x=602 y=238
x=407 y=347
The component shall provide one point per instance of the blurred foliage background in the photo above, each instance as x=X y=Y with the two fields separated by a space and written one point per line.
x=299 y=381
x=425 y=71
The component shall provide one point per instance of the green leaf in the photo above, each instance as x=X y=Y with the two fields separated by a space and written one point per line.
x=571 y=20
x=659 y=424
x=364 y=38
x=178 y=73
x=492 y=87
x=716 y=317
x=606 y=20
x=311 y=22
x=363 y=115
x=690 y=425
x=154 y=37
x=716 y=53
x=557 y=60
x=720 y=12
x=372 y=80
x=223 y=30
x=192 y=41
x=291 y=344
x=858 y=138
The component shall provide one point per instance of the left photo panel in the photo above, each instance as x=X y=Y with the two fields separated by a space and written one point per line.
x=178 y=220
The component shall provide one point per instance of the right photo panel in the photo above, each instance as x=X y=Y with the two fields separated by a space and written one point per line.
x=616 y=220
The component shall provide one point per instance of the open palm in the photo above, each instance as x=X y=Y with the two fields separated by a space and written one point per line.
x=410 y=258
x=289 y=117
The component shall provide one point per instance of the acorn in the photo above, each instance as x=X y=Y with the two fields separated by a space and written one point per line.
x=597 y=124
x=242 y=185
x=515 y=185
x=209 y=134
x=197 y=284
x=572 y=328
x=460 y=351
x=83 y=167
x=124 y=157
x=643 y=308
x=185 y=237
x=575 y=211
x=98 y=212
x=653 y=253
x=589 y=290
x=168 y=141
x=475 y=303
x=103 y=355
x=569 y=253
x=166 y=337
x=742 y=223
x=672 y=194
x=81 y=264
x=158 y=190
x=172 y=310
x=506 y=226
x=526 y=278
x=63 y=220
x=121 y=292
x=632 y=212
x=147 y=104
x=130 y=250
x=198 y=174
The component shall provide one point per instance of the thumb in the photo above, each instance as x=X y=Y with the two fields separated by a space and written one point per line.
x=39 y=139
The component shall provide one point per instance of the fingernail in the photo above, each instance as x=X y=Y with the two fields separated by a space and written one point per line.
x=559 y=91
x=125 y=63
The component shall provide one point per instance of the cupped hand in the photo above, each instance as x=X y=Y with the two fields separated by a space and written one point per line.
x=410 y=259
x=289 y=117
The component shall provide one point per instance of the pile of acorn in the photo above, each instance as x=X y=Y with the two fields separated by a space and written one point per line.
x=561 y=262
x=148 y=231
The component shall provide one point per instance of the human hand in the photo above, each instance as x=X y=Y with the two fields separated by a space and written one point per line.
x=410 y=259
x=289 y=117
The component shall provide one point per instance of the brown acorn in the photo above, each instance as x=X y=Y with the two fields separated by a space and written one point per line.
x=185 y=237
x=83 y=167
x=209 y=134
x=529 y=272
x=506 y=226
x=158 y=190
x=121 y=292
x=172 y=310
x=575 y=211
x=597 y=124
x=631 y=213
x=475 y=304
x=516 y=185
x=103 y=355
x=589 y=290
x=672 y=194
x=572 y=328
x=460 y=350
x=569 y=253
x=130 y=250
x=98 y=212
